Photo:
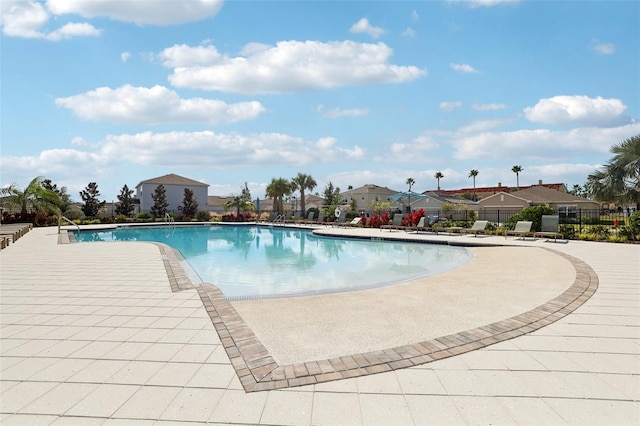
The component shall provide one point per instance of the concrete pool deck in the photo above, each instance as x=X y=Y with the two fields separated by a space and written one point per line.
x=97 y=336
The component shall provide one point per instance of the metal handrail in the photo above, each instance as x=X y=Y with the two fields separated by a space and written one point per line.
x=61 y=218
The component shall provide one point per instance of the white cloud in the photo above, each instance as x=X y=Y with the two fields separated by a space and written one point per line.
x=488 y=107
x=155 y=105
x=486 y=3
x=418 y=148
x=204 y=150
x=536 y=144
x=181 y=55
x=449 y=106
x=414 y=16
x=290 y=66
x=603 y=48
x=125 y=56
x=463 y=68
x=26 y=19
x=409 y=32
x=363 y=26
x=339 y=112
x=68 y=31
x=139 y=12
x=577 y=109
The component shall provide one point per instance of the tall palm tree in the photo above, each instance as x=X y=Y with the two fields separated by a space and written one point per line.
x=438 y=176
x=517 y=170
x=410 y=181
x=619 y=181
x=472 y=174
x=277 y=189
x=35 y=195
x=303 y=182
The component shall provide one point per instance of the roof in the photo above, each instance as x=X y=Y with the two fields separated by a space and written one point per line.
x=542 y=194
x=172 y=179
x=502 y=188
x=370 y=189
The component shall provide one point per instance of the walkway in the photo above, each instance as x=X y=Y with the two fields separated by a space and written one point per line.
x=97 y=336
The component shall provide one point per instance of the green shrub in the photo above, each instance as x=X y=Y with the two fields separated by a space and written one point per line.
x=73 y=214
x=203 y=216
x=568 y=232
x=634 y=224
x=533 y=214
x=144 y=215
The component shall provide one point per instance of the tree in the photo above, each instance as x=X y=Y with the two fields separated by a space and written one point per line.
x=65 y=198
x=619 y=180
x=331 y=195
x=410 y=181
x=240 y=202
x=438 y=176
x=35 y=196
x=303 y=182
x=189 y=205
x=277 y=189
x=517 y=170
x=92 y=203
x=472 y=174
x=160 y=204
x=125 y=202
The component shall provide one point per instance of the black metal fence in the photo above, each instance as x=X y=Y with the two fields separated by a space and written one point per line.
x=582 y=220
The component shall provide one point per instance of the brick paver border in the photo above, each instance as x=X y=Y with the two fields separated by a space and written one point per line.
x=258 y=371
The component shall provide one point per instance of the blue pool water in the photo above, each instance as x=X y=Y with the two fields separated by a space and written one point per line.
x=260 y=261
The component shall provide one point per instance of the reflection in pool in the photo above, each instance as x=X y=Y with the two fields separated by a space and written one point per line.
x=262 y=261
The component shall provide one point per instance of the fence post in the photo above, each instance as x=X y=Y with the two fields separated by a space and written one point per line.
x=580 y=219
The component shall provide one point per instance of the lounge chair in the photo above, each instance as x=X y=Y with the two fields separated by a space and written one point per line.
x=396 y=223
x=310 y=217
x=424 y=224
x=478 y=227
x=522 y=229
x=549 y=228
x=354 y=222
x=320 y=218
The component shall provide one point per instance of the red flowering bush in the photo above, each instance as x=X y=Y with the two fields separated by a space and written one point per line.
x=413 y=218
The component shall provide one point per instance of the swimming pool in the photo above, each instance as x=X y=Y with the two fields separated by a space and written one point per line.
x=262 y=261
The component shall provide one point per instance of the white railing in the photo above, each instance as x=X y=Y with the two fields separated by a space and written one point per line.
x=61 y=218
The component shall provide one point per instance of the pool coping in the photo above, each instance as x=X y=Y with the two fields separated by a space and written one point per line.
x=258 y=371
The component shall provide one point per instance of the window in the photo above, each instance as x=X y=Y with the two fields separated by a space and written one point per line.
x=568 y=210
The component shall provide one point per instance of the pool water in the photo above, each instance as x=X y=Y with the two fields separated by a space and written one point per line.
x=261 y=261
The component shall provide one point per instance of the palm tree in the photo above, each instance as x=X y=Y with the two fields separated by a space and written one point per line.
x=438 y=176
x=303 y=182
x=35 y=195
x=239 y=202
x=277 y=189
x=517 y=170
x=619 y=181
x=472 y=174
x=410 y=182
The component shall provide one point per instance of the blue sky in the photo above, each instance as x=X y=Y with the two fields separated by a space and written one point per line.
x=116 y=92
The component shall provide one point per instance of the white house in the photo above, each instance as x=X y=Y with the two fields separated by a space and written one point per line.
x=174 y=186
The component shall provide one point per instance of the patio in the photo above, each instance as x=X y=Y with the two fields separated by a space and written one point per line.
x=101 y=336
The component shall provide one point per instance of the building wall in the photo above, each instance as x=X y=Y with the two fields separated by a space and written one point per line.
x=175 y=196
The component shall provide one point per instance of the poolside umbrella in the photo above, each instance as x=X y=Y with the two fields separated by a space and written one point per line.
x=407 y=198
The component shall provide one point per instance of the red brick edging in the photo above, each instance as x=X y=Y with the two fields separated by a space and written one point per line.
x=258 y=371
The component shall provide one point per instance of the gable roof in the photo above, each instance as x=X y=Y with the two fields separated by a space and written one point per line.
x=370 y=189
x=172 y=179
x=542 y=194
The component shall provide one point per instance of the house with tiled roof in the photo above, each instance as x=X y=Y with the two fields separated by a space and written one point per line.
x=174 y=186
x=512 y=202
x=365 y=195
x=486 y=191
